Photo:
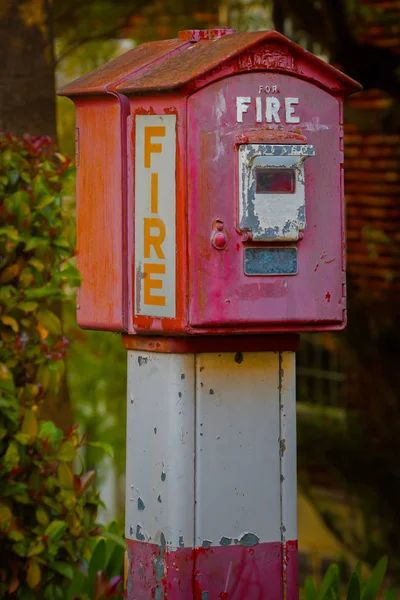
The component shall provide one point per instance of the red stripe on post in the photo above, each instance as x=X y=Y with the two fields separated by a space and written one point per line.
x=233 y=572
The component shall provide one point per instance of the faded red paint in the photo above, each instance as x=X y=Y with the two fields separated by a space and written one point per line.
x=214 y=296
x=225 y=343
x=104 y=195
x=292 y=302
x=101 y=213
x=205 y=58
x=266 y=571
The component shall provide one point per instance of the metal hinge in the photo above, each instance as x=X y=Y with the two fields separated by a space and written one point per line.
x=344 y=290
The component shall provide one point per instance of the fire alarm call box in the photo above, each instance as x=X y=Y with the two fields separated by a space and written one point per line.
x=210 y=188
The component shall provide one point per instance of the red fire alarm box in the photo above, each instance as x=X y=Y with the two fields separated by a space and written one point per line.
x=210 y=188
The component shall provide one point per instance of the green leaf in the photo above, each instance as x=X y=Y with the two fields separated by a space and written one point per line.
x=16 y=536
x=43 y=292
x=374 y=583
x=56 y=592
x=63 y=568
x=49 y=431
x=77 y=585
x=354 y=589
x=10 y=322
x=20 y=548
x=61 y=243
x=11 y=457
x=55 y=530
x=115 y=565
x=97 y=562
x=45 y=201
x=36 y=548
x=13 y=489
x=22 y=438
x=390 y=594
x=10 y=232
x=108 y=449
x=13 y=176
x=35 y=242
x=6 y=378
x=30 y=425
x=5 y=514
x=36 y=263
x=119 y=541
x=67 y=452
x=330 y=583
x=49 y=321
x=33 y=575
x=311 y=592
x=42 y=517
x=28 y=306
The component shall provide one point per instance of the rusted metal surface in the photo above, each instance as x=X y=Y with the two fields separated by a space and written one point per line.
x=100 y=214
x=107 y=76
x=221 y=293
x=199 y=59
x=197 y=344
x=195 y=35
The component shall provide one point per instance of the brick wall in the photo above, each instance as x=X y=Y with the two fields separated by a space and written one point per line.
x=372 y=166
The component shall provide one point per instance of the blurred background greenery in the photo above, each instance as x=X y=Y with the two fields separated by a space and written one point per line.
x=349 y=383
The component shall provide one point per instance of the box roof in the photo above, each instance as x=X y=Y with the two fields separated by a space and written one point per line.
x=106 y=77
x=171 y=64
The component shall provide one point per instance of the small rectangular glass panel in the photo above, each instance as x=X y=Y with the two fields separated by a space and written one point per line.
x=270 y=261
x=275 y=181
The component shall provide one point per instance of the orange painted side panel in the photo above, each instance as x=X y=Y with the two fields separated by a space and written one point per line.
x=100 y=213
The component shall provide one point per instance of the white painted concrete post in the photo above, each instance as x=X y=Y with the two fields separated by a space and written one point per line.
x=211 y=476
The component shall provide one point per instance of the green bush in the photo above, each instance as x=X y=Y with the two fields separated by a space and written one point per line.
x=101 y=576
x=358 y=587
x=47 y=510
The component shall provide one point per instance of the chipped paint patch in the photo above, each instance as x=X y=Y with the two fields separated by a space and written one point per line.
x=248 y=539
x=239 y=357
x=272 y=211
x=140 y=504
x=139 y=535
x=225 y=541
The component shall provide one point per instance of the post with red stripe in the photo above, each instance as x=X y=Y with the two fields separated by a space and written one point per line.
x=211 y=476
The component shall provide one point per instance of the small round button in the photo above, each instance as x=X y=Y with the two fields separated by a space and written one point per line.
x=219 y=241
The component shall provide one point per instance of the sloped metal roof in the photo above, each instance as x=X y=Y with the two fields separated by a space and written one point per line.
x=196 y=60
x=103 y=79
x=170 y=64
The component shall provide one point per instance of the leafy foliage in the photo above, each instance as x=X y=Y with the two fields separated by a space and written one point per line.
x=101 y=576
x=47 y=512
x=358 y=588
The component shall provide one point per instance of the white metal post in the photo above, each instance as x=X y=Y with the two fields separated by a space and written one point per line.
x=211 y=476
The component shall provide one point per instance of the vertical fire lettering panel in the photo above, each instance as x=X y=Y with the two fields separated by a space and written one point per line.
x=155 y=216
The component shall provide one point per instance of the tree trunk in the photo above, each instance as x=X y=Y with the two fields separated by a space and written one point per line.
x=27 y=100
x=27 y=104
